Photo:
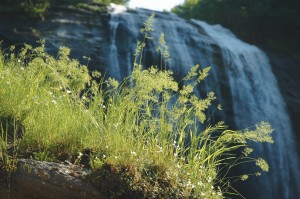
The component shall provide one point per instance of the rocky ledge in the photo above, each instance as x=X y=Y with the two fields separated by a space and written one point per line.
x=38 y=179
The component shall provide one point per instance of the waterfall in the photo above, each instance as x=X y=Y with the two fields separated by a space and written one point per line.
x=256 y=97
x=241 y=77
x=113 y=54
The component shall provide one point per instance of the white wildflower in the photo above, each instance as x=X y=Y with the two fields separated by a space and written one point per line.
x=209 y=179
x=244 y=177
x=116 y=125
x=160 y=150
x=79 y=155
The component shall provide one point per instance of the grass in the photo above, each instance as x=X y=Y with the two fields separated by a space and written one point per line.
x=144 y=137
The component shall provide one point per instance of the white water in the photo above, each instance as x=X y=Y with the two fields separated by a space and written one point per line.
x=241 y=76
x=256 y=97
x=113 y=51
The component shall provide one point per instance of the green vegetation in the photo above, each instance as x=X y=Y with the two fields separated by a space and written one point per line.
x=39 y=7
x=143 y=137
x=272 y=23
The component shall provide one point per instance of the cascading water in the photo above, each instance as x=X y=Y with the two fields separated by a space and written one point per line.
x=256 y=97
x=113 y=49
x=241 y=77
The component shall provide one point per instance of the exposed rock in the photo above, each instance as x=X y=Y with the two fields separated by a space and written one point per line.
x=37 y=179
x=86 y=33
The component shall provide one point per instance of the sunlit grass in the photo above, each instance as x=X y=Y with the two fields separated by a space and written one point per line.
x=148 y=134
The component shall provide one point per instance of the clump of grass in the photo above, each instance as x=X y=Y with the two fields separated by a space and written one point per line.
x=144 y=137
x=35 y=8
x=94 y=7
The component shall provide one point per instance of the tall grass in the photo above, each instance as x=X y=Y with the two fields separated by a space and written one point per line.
x=144 y=137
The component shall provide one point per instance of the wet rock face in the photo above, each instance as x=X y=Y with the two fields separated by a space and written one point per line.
x=36 y=179
x=84 y=32
x=287 y=72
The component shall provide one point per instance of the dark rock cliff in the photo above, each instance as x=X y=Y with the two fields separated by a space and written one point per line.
x=287 y=72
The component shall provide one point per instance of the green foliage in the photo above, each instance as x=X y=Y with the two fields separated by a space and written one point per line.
x=145 y=136
x=38 y=8
x=35 y=7
x=121 y=2
x=274 y=23
x=9 y=142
